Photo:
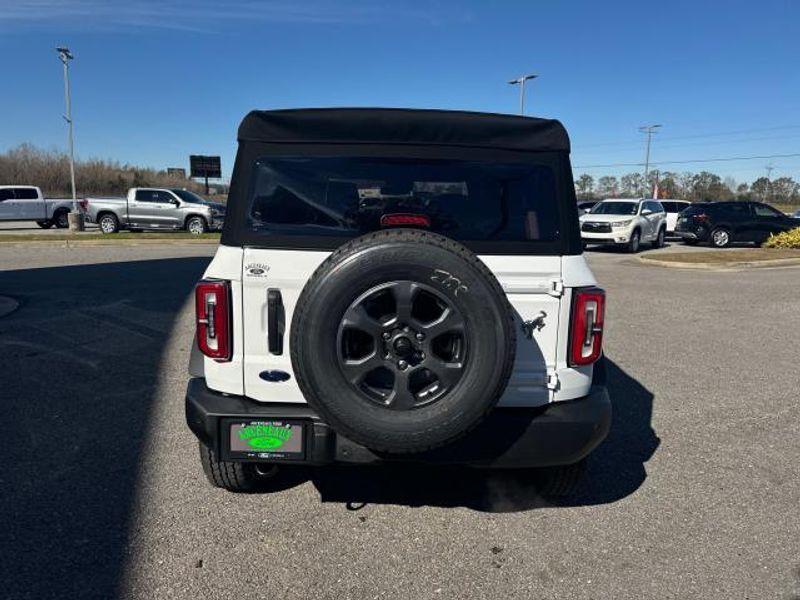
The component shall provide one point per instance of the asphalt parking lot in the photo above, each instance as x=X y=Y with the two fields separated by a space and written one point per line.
x=695 y=493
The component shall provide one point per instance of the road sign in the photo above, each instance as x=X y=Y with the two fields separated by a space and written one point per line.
x=205 y=166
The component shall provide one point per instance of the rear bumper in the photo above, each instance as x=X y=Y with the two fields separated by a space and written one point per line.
x=700 y=233
x=557 y=434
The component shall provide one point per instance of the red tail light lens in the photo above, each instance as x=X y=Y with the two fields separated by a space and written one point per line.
x=400 y=219
x=212 y=308
x=701 y=218
x=586 y=326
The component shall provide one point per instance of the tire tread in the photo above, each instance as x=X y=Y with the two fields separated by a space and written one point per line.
x=417 y=237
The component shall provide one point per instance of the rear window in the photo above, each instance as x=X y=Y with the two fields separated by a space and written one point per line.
x=696 y=209
x=465 y=200
x=26 y=194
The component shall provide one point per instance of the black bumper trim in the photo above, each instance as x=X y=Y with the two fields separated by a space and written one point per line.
x=555 y=434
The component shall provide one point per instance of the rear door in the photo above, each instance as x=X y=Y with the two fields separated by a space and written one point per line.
x=30 y=206
x=739 y=218
x=310 y=199
x=650 y=219
x=7 y=204
x=272 y=281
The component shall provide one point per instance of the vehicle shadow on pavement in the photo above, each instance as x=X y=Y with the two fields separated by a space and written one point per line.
x=81 y=359
x=616 y=469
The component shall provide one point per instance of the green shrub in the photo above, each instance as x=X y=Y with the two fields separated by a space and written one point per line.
x=787 y=239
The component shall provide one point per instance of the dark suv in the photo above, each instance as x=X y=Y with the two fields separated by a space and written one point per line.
x=721 y=223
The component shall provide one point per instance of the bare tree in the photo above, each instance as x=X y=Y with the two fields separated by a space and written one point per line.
x=607 y=187
x=585 y=187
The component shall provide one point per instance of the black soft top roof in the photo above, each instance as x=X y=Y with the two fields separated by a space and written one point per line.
x=404 y=126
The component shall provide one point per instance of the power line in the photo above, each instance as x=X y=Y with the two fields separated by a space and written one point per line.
x=694 y=160
x=695 y=136
x=681 y=145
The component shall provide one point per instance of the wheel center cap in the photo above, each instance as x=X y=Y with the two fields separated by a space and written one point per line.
x=403 y=346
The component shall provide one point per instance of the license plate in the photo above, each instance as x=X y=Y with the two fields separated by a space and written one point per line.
x=274 y=439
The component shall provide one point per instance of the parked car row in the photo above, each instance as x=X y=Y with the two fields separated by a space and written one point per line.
x=629 y=222
x=142 y=208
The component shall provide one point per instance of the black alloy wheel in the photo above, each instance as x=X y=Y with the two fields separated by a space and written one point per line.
x=402 y=345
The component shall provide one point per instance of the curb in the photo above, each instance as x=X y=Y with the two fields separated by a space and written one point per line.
x=757 y=264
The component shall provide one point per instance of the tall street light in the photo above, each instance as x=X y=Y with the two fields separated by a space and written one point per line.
x=65 y=55
x=649 y=130
x=521 y=82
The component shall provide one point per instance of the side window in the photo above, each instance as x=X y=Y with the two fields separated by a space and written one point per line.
x=762 y=210
x=669 y=207
x=145 y=195
x=657 y=207
x=153 y=196
x=738 y=210
x=6 y=194
x=162 y=197
x=26 y=194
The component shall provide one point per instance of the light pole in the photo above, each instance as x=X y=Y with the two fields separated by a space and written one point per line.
x=649 y=130
x=770 y=167
x=65 y=55
x=521 y=82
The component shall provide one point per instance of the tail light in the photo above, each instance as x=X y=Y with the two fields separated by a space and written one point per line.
x=586 y=326
x=213 y=311
x=701 y=218
x=84 y=204
x=400 y=219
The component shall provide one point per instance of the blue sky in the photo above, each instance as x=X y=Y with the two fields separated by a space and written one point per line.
x=156 y=81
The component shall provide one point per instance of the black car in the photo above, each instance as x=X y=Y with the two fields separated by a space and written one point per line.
x=720 y=223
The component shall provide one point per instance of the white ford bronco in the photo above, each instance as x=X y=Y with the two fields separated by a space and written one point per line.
x=398 y=285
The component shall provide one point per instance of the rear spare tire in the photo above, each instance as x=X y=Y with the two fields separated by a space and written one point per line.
x=402 y=341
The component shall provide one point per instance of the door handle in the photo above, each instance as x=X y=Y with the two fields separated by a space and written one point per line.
x=276 y=321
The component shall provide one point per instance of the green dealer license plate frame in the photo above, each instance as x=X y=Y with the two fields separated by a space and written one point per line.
x=264 y=439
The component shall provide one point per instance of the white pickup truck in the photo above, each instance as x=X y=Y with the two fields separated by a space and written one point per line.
x=26 y=203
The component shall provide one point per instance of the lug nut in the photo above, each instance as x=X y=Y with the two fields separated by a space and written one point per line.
x=420 y=337
x=401 y=364
x=386 y=335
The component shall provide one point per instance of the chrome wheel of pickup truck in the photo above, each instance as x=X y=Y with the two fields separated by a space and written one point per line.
x=196 y=226
x=108 y=223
